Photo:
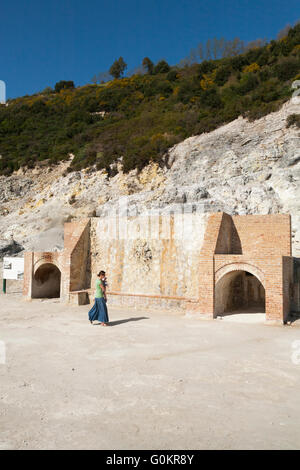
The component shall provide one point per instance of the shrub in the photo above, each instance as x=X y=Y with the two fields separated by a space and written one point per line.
x=185 y=92
x=47 y=90
x=293 y=120
x=211 y=98
x=162 y=67
x=207 y=81
x=296 y=50
x=172 y=75
x=63 y=84
x=248 y=82
x=238 y=62
x=287 y=68
x=205 y=67
x=254 y=67
x=265 y=73
x=222 y=75
x=157 y=87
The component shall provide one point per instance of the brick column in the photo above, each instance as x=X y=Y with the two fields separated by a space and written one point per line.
x=206 y=286
x=277 y=289
x=28 y=275
x=65 y=277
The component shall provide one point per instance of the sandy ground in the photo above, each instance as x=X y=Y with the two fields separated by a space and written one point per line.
x=151 y=380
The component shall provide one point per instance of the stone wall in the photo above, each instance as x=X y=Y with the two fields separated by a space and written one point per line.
x=153 y=255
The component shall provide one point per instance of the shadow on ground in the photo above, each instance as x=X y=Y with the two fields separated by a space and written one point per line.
x=126 y=320
x=293 y=318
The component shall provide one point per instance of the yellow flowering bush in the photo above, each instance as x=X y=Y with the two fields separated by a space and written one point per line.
x=254 y=67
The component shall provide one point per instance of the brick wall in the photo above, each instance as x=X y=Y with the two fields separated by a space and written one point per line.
x=170 y=268
x=264 y=235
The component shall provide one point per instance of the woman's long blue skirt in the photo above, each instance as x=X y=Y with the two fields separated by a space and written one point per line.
x=99 y=311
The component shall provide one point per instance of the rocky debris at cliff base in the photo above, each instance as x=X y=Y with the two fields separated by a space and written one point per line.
x=9 y=248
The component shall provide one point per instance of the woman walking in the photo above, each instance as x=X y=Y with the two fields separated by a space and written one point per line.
x=99 y=310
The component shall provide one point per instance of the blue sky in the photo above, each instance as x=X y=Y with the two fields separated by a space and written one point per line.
x=43 y=42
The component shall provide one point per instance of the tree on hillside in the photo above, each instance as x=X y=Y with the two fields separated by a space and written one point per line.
x=208 y=50
x=63 y=84
x=47 y=90
x=139 y=70
x=200 y=51
x=257 y=43
x=148 y=65
x=218 y=47
x=193 y=56
x=284 y=31
x=101 y=77
x=118 y=67
x=233 y=47
x=162 y=67
x=214 y=49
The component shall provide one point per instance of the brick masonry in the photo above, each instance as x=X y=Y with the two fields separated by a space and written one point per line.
x=169 y=270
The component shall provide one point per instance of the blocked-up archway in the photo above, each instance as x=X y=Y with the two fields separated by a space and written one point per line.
x=46 y=282
x=239 y=291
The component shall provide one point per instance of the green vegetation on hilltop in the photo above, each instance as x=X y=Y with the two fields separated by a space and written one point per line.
x=140 y=117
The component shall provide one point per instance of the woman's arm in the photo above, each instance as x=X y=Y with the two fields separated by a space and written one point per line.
x=103 y=288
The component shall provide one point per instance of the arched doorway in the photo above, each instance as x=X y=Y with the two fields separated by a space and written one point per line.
x=239 y=292
x=46 y=282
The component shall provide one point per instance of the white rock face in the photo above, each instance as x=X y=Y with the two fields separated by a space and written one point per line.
x=241 y=168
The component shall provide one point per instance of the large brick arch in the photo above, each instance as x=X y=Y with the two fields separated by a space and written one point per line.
x=250 y=268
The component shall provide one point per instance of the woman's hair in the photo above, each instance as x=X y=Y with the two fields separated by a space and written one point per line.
x=101 y=273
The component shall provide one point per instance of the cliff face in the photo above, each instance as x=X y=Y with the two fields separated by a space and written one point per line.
x=241 y=168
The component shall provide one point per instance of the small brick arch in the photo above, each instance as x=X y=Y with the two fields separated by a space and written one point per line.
x=46 y=282
x=250 y=268
x=45 y=260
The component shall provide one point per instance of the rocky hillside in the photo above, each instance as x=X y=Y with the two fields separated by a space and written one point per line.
x=243 y=168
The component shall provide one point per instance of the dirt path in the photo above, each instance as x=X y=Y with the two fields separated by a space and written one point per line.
x=151 y=380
